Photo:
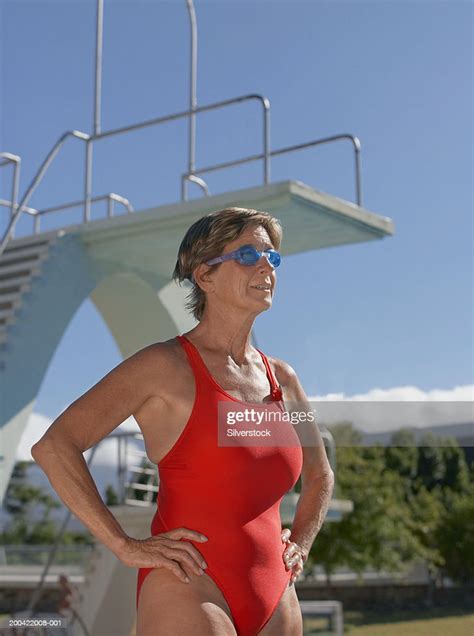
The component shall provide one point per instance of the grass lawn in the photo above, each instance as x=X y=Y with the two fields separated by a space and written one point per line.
x=433 y=622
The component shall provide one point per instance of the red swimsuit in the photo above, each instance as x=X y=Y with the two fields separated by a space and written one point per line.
x=232 y=495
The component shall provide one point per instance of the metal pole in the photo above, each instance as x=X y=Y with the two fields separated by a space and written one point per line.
x=266 y=141
x=97 y=103
x=7 y=158
x=192 y=91
x=88 y=182
x=356 y=142
x=98 y=65
x=15 y=188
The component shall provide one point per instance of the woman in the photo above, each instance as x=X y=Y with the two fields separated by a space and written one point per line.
x=217 y=561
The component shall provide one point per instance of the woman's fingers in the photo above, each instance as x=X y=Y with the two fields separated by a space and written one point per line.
x=177 y=542
x=293 y=561
x=180 y=550
x=285 y=535
x=292 y=557
x=167 y=550
x=185 y=533
x=177 y=553
x=297 y=570
x=189 y=548
x=176 y=569
x=290 y=551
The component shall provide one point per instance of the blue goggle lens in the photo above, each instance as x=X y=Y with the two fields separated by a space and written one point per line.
x=249 y=256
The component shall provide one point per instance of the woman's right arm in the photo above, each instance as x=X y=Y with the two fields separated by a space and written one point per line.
x=69 y=475
x=84 y=424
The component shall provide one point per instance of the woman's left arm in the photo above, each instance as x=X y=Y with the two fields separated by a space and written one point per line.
x=317 y=477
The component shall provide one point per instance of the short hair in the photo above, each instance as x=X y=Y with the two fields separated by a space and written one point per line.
x=207 y=238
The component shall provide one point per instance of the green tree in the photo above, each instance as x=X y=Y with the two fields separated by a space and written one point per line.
x=23 y=501
x=411 y=502
x=374 y=534
x=455 y=537
x=111 y=497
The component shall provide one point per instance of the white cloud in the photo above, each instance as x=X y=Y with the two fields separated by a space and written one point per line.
x=389 y=409
x=464 y=393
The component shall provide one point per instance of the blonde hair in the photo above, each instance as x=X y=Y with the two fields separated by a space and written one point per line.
x=207 y=238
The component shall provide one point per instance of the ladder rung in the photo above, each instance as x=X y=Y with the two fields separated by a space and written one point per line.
x=137 y=453
x=143 y=471
x=136 y=486
x=137 y=502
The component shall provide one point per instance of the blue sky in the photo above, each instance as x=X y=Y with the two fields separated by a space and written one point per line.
x=383 y=315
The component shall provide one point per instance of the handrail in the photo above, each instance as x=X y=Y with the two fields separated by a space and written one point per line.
x=8 y=157
x=110 y=197
x=36 y=181
x=117 y=131
x=280 y=151
x=200 y=182
x=5 y=203
x=159 y=120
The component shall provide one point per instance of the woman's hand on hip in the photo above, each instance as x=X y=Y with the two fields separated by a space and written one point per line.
x=294 y=556
x=166 y=550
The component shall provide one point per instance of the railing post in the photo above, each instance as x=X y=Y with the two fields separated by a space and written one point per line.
x=97 y=105
x=192 y=90
x=184 y=187
x=357 y=171
x=98 y=66
x=16 y=161
x=266 y=141
x=88 y=182
x=15 y=187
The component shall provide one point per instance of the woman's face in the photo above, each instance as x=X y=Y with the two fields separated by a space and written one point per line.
x=234 y=285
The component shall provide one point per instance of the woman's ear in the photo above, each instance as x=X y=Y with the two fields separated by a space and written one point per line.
x=203 y=278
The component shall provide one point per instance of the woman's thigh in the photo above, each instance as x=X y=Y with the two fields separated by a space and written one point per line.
x=287 y=619
x=170 y=606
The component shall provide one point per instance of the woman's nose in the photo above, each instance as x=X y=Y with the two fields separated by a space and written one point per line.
x=264 y=263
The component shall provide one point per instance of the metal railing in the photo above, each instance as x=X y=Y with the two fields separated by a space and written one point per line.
x=111 y=198
x=316 y=142
x=192 y=173
x=125 y=129
x=7 y=158
x=17 y=209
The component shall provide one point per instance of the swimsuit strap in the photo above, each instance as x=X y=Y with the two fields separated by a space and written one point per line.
x=195 y=360
x=276 y=393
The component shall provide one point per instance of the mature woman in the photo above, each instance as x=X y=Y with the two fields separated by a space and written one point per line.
x=217 y=561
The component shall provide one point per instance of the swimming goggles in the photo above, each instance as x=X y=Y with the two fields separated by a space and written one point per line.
x=248 y=255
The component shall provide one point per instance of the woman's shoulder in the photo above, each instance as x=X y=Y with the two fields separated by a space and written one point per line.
x=165 y=354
